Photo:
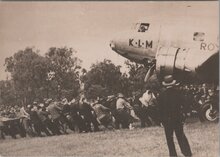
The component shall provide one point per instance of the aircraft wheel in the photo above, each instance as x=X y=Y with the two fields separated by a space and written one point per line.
x=209 y=113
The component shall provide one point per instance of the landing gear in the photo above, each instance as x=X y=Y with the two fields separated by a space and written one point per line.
x=150 y=65
x=149 y=62
x=209 y=113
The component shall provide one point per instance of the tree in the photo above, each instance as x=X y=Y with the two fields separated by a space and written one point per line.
x=29 y=72
x=36 y=77
x=137 y=73
x=7 y=93
x=103 y=78
x=65 y=68
x=95 y=91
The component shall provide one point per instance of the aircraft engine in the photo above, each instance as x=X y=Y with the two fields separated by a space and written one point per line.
x=165 y=61
x=187 y=64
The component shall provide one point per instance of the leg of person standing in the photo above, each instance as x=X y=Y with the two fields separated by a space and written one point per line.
x=124 y=118
x=2 y=132
x=52 y=127
x=182 y=140
x=49 y=125
x=169 y=130
x=13 y=129
x=87 y=124
x=44 y=129
x=143 y=125
x=57 y=124
x=37 y=129
x=139 y=112
x=63 y=121
x=93 y=119
x=117 y=120
x=80 y=123
x=28 y=125
x=146 y=116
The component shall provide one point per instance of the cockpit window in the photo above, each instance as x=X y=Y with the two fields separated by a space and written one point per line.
x=198 y=36
x=142 y=27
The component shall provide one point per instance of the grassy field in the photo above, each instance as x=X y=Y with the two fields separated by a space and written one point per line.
x=148 y=142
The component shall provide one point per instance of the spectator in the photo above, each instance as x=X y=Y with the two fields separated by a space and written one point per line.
x=39 y=127
x=171 y=109
x=56 y=116
x=46 y=122
x=122 y=110
x=103 y=114
x=88 y=113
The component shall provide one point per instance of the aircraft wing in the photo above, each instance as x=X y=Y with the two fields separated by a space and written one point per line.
x=209 y=70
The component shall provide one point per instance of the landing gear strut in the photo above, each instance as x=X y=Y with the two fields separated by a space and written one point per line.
x=151 y=65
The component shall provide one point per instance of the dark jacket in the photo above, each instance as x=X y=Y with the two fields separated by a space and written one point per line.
x=85 y=108
x=171 y=105
x=43 y=115
x=35 y=119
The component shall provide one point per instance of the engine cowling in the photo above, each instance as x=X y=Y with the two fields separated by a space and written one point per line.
x=165 y=61
x=186 y=64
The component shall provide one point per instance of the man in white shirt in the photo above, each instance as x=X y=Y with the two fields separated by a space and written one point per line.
x=122 y=108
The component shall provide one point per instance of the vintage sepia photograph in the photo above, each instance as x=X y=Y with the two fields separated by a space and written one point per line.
x=109 y=78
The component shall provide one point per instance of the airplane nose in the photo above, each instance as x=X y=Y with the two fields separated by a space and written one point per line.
x=119 y=43
x=112 y=45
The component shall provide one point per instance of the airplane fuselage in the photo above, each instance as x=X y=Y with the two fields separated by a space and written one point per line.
x=140 y=45
x=176 y=46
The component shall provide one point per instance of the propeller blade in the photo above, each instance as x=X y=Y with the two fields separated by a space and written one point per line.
x=149 y=73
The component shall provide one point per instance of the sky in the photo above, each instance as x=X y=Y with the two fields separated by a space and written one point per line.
x=87 y=27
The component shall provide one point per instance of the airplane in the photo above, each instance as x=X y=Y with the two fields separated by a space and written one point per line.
x=187 y=50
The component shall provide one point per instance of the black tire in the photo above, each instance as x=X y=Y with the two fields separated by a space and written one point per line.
x=209 y=113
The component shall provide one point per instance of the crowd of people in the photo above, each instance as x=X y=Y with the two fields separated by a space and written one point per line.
x=52 y=117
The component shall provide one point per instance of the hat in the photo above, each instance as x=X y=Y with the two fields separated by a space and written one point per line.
x=110 y=97
x=34 y=108
x=120 y=95
x=35 y=103
x=41 y=105
x=65 y=101
x=73 y=100
x=169 y=81
x=48 y=101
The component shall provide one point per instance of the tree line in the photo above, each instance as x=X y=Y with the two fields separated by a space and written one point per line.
x=58 y=73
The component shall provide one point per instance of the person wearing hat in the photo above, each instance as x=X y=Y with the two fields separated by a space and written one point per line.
x=70 y=114
x=78 y=122
x=46 y=122
x=89 y=115
x=171 y=115
x=122 y=112
x=57 y=116
x=47 y=102
x=26 y=120
x=103 y=113
x=142 y=107
x=37 y=123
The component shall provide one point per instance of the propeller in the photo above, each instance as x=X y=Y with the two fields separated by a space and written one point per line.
x=149 y=72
